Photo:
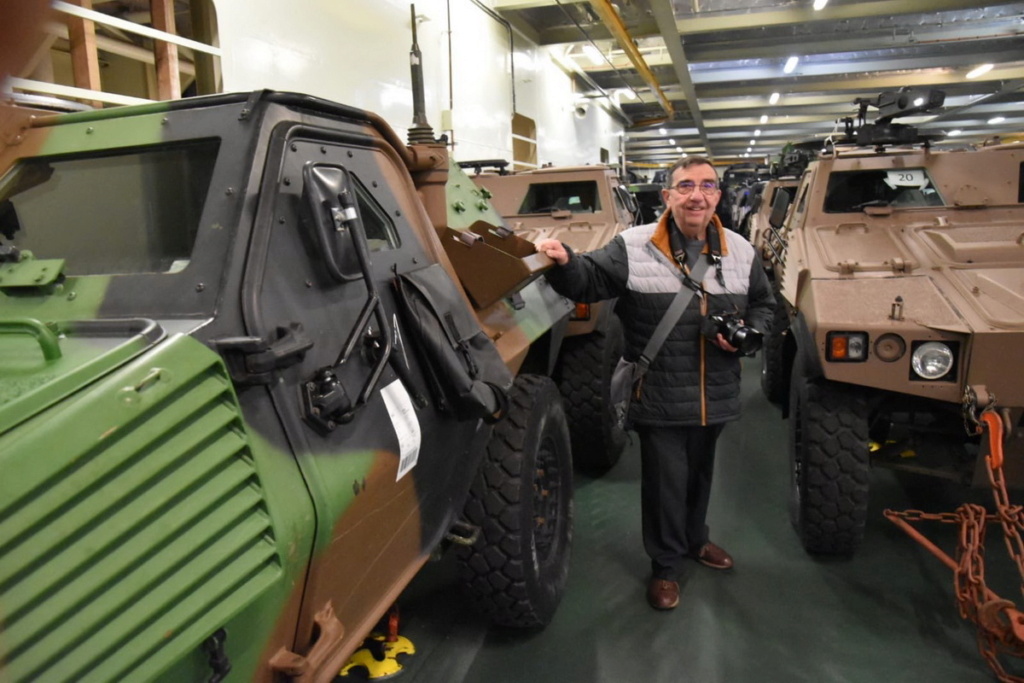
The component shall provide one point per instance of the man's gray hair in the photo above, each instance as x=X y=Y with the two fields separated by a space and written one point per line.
x=686 y=162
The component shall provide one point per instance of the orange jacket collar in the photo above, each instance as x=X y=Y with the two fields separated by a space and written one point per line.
x=661 y=241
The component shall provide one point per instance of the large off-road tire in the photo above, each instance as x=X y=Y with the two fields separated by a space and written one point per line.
x=522 y=501
x=584 y=379
x=774 y=379
x=829 y=464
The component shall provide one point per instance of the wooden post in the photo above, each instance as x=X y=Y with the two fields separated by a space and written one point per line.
x=167 y=76
x=85 y=62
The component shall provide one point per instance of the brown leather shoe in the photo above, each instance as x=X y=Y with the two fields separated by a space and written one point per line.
x=710 y=555
x=662 y=594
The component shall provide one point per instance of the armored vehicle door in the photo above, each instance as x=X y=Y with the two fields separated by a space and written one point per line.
x=386 y=469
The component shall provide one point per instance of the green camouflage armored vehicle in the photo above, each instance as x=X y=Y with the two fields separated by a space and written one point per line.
x=900 y=278
x=584 y=207
x=246 y=391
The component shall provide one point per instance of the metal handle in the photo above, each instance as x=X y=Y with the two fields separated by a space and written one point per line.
x=46 y=337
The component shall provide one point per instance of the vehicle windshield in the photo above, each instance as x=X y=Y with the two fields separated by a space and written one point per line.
x=850 y=191
x=120 y=213
x=580 y=196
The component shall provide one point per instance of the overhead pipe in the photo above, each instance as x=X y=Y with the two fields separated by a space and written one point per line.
x=614 y=24
x=511 y=44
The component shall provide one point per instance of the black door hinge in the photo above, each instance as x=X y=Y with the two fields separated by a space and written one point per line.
x=216 y=657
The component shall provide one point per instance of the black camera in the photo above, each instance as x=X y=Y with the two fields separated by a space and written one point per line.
x=743 y=337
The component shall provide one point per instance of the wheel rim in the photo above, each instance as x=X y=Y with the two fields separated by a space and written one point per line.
x=547 y=496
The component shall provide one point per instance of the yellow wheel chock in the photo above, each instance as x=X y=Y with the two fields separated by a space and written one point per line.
x=379 y=657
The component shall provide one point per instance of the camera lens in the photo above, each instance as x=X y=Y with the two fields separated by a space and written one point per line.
x=746 y=339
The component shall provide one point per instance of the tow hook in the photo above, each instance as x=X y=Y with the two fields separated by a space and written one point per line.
x=976 y=399
x=463 y=533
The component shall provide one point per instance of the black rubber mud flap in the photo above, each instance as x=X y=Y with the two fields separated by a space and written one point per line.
x=522 y=501
x=829 y=464
x=584 y=378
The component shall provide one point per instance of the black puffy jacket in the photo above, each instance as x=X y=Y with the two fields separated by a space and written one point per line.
x=691 y=381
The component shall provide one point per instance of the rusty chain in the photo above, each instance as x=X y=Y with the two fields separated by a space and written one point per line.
x=1000 y=625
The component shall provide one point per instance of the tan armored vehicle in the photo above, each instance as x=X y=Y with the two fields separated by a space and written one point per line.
x=900 y=276
x=757 y=219
x=584 y=207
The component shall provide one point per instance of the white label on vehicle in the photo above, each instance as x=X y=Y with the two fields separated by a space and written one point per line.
x=407 y=425
x=906 y=177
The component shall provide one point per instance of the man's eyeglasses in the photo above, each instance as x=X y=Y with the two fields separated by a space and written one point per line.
x=688 y=186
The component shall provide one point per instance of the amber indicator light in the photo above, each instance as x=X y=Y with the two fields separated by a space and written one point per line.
x=838 y=348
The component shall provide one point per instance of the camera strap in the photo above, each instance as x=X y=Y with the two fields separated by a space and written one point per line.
x=672 y=315
x=715 y=252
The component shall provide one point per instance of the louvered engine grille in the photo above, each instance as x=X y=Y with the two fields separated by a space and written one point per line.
x=124 y=552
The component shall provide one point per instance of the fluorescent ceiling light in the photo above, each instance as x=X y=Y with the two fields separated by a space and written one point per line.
x=820 y=4
x=774 y=98
x=752 y=141
x=671 y=141
x=679 y=149
x=790 y=64
x=997 y=119
x=593 y=54
x=978 y=71
x=662 y=131
x=954 y=133
x=757 y=132
x=764 y=118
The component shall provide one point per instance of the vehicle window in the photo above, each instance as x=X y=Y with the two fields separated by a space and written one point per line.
x=579 y=197
x=850 y=191
x=112 y=214
x=380 y=230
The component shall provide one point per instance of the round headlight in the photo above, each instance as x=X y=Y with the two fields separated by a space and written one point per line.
x=932 y=360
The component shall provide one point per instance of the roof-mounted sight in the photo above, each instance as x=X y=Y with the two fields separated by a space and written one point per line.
x=892 y=105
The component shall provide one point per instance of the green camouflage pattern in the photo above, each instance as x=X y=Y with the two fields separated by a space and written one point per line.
x=149 y=499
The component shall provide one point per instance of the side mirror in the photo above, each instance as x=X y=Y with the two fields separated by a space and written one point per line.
x=329 y=193
x=629 y=199
x=331 y=202
x=779 y=208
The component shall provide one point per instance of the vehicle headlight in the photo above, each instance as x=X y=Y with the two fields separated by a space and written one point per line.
x=932 y=360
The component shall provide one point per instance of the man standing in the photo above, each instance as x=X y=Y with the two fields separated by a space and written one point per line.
x=692 y=387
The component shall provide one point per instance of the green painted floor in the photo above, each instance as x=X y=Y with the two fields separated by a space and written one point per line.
x=780 y=615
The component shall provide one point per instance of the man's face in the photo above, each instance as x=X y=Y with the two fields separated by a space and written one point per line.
x=692 y=210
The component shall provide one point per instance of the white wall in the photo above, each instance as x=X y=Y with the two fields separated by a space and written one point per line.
x=357 y=52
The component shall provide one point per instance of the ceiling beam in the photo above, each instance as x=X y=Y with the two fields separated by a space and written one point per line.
x=724 y=22
x=614 y=23
x=664 y=16
x=877 y=82
x=721 y=21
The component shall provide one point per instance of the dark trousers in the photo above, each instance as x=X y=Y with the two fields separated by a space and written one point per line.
x=675 y=487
